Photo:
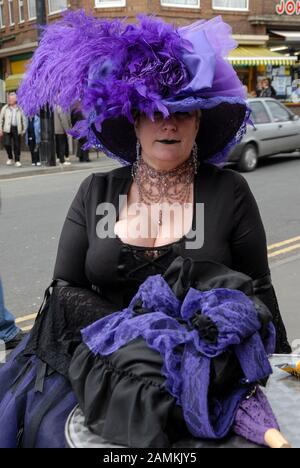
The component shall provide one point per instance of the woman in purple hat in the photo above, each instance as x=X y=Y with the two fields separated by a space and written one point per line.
x=168 y=106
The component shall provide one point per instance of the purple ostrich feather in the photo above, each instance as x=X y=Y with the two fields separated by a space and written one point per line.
x=110 y=66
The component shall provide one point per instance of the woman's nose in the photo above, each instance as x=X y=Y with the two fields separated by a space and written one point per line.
x=170 y=122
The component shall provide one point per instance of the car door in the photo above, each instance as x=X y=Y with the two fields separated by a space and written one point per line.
x=264 y=131
x=288 y=129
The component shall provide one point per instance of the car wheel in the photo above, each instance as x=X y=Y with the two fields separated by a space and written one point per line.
x=249 y=159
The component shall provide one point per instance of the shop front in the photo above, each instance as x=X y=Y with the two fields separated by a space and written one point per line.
x=254 y=63
x=17 y=66
x=287 y=41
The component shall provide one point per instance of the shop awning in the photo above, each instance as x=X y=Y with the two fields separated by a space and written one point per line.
x=12 y=82
x=259 y=56
x=290 y=36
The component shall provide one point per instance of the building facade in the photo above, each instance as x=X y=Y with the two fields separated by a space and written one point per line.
x=266 y=31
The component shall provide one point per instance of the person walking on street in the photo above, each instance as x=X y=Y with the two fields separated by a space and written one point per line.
x=62 y=123
x=33 y=138
x=12 y=127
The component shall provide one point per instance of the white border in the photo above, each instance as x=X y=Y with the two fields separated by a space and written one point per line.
x=229 y=8
x=178 y=5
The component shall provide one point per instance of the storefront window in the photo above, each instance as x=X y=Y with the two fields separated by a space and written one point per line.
x=55 y=6
x=31 y=9
x=231 y=4
x=281 y=80
x=181 y=3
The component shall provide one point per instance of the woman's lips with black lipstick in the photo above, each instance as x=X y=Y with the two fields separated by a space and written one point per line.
x=169 y=142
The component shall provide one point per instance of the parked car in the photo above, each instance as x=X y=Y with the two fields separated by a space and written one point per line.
x=276 y=130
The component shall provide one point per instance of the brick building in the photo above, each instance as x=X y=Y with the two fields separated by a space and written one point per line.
x=257 y=26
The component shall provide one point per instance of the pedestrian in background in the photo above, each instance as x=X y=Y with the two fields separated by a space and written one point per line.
x=267 y=89
x=62 y=123
x=12 y=127
x=259 y=87
x=33 y=138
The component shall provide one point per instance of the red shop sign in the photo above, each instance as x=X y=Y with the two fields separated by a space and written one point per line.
x=288 y=7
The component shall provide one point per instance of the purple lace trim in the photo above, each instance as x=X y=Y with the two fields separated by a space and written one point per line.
x=185 y=354
x=254 y=418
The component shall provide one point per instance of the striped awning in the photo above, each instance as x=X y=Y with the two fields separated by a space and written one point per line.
x=251 y=55
x=12 y=82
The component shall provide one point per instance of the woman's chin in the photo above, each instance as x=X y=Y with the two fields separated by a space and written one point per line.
x=168 y=155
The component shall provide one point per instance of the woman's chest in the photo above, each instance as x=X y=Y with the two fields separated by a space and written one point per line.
x=156 y=224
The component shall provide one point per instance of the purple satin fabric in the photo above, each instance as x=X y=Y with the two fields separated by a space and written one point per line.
x=212 y=75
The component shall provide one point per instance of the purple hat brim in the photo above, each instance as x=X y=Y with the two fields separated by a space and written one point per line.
x=223 y=125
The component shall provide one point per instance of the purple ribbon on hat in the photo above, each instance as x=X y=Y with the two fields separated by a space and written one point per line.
x=206 y=45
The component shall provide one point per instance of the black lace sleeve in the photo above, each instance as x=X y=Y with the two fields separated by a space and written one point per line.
x=56 y=332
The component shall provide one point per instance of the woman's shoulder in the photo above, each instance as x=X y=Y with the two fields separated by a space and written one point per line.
x=224 y=175
x=122 y=172
x=97 y=180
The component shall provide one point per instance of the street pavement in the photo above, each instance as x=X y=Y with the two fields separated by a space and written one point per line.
x=11 y=172
x=34 y=207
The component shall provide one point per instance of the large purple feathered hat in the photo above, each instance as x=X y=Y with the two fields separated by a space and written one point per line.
x=115 y=69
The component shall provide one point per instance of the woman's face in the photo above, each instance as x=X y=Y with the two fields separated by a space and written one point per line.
x=167 y=142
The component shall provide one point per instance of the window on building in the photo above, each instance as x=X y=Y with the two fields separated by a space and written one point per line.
x=231 y=4
x=21 y=11
x=110 y=3
x=55 y=6
x=31 y=9
x=181 y=3
x=11 y=12
x=2 y=19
